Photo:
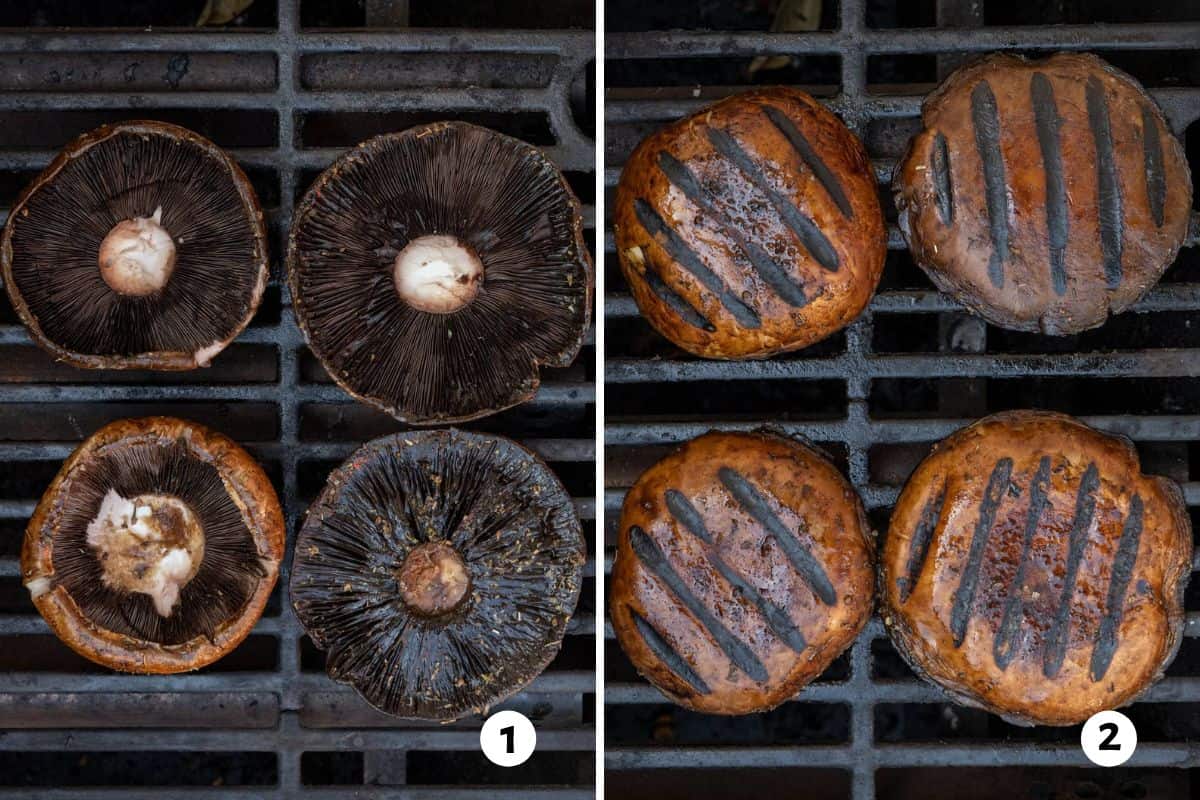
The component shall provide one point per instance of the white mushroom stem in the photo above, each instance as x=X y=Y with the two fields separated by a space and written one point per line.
x=437 y=274
x=152 y=545
x=137 y=256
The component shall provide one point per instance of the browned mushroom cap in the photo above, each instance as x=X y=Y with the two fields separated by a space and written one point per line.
x=1043 y=194
x=752 y=227
x=1032 y=570
x=155 y=548
x=142 y=246
x=433 y=271
x=745 y=566
x=439 y=570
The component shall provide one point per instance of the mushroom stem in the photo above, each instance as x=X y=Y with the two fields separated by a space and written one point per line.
x=152 y=544
x=137 y=256
x=437 y=274
x=433 y=578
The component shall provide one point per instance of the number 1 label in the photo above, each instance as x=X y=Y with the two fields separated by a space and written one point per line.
x=508 y=738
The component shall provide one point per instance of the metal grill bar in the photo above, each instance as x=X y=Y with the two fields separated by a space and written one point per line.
x=632 y=112
x=293 y=686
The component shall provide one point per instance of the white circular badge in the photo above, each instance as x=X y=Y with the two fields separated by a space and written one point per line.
x=508 y=738
x=1108 y=739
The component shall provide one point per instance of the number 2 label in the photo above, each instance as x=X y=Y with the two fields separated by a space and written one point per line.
x=1108 y=739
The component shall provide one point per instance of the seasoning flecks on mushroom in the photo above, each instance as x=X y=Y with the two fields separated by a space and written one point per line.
x=438 y=570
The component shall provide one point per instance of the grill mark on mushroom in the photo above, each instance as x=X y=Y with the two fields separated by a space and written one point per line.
x=1108 y=187
x=753 y=502
x=931 y=515
x=667 y=654
x=777 y=618
x=680 y=252
x=1156 y=177
x=943 y=186
x=1085 y=507
x=791 y=290
x=1122 y=572
x=810 y=157
x=677 y=302
x=964 y=596
x=801 y=225
x=985 y=119
x=655 y=561
x=1048 y=122
x=1039 y=492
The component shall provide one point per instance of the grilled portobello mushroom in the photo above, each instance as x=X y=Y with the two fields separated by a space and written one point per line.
x=1044 y=195
x=752 y=227
x=744 y=568
x=1032 y=570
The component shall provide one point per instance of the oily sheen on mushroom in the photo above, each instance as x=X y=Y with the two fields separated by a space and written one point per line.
x=141 y=246
x=435 y=270
x=744 y=568
x=156 y=546
x=1033 y=570
x=438 y=569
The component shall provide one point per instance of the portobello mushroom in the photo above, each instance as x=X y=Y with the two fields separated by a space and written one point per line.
x=434 y=271
x=745 y=566
x=752 y=227
x=1031 y=569
x=156 y=546
x=141 y=246
x=438 y=569
x=1043 y=194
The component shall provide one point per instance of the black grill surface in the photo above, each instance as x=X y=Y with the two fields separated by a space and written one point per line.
x=911 y=370
x=286 y=89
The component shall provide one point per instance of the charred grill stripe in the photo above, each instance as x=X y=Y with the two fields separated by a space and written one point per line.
x=964 y=596
x=931 y=515
x=1045 y=111
x=1108 y=188
x=1122 y=573
x=800 y=224
x=667 y=654
x=1039 y=495
x=756 y=506
x=776 y=276
x=777 y=618
x=677 y=302
x=1085 y=507
x=682 y=510
x=985 y=118
x=810 y=157
x=1156 y=177
x=655 y=560
x=679 y=251
x=943 y=185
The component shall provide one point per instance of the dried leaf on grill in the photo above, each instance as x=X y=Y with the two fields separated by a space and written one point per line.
x=435 y=270
x=438 y=569
x=141 y=246
x=156 y=546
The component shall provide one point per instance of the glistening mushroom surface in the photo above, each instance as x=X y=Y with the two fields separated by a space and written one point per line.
x=413 y=637
x=204 y=256
x=400 y=339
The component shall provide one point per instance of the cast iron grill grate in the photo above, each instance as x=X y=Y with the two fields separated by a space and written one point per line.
x=913 y=369
x=285 y=99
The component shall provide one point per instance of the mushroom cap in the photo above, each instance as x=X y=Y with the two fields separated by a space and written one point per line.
x=73 y=498
x=502 y=199
x=51 y=243
x=509 y=520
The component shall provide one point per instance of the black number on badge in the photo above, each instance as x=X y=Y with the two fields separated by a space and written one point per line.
x=1109 y=728
x=510 y=733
